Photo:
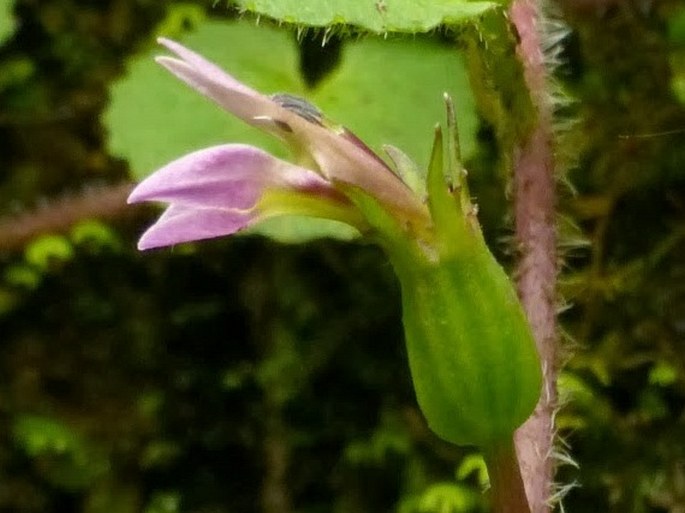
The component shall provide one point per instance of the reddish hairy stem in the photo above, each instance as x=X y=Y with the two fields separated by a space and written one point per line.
x=534 y=189
x=537 y=273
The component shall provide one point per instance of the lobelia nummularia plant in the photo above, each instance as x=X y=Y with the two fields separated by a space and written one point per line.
x=473 y=360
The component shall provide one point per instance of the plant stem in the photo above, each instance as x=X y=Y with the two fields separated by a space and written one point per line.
x=536 y=275
x=506 y=486
x=534 y=188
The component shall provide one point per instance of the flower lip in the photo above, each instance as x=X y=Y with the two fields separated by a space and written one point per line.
x=224 y=189
x=182 y=223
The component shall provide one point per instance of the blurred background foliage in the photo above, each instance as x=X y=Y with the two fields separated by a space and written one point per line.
x=251 y=376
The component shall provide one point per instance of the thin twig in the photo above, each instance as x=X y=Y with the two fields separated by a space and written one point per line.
x=57 y=216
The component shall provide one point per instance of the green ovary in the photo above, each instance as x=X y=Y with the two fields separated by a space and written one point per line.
x=473 y=359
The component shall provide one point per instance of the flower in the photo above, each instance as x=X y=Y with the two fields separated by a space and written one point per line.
x=471 y=353
x=224 y=189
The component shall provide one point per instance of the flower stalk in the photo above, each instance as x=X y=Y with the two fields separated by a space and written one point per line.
x=507 y=493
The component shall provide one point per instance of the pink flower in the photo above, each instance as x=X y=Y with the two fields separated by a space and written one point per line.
x=224 y=189
x=472 y=356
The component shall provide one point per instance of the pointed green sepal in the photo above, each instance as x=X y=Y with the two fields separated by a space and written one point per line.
x=407 y=170
x=456 y=174
x=453 y=148
x=448 y=220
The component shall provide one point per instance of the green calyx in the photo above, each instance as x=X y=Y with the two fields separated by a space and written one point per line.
x=472 y=355
x=473 y=360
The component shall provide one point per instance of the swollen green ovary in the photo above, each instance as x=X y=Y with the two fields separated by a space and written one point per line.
x=472 y=357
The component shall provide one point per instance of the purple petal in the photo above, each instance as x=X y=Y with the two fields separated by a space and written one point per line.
x=207 y=68
x=180 y=223
x=219 y=86
x=231 y=176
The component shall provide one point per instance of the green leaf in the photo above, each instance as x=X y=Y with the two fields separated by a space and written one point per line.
x=379 y=16
x=391 y=92
x=154 y=118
